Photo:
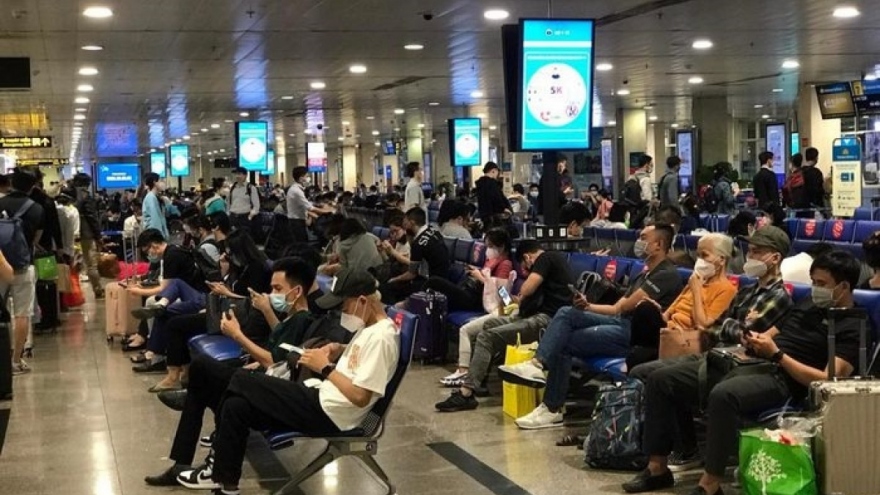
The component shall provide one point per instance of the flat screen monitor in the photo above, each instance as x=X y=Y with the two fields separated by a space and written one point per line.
x=388 y=147
x=835 y=100
x=179 y=154
x=270 y=160
x=510 y=40
x=684 y=148
x=556 y=71
x=118 y=175
x=795 y=143
x=113 y=140
x=252 y=139
x=465 y=141
x=158 y=163
x=316 y=157
x=777 y=138
x=607 y=161
x=866 y=97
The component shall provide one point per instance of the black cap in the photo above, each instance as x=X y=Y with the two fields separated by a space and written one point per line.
x=348 y=283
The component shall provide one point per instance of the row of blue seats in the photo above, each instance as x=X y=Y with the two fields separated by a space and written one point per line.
x=843 y=234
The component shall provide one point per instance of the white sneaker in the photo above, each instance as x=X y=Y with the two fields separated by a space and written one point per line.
x=200 y=477
x=454 y=380
x=20 y=368
x=539 y=419
x=523 y=374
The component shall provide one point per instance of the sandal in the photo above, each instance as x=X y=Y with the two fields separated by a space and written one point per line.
x=571 y=441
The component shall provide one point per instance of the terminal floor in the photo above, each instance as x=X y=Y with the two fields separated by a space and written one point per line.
x=83 y=423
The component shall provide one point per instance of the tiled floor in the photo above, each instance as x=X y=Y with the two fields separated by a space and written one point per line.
x=83 y=423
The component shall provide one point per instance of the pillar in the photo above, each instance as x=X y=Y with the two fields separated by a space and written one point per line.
x=656 y=147
x=349 y=167
x=816 y=132
x=715 y=129
x=631 y=138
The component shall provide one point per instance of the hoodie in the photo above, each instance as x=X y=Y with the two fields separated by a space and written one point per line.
x=490 y=198
x=359 y=251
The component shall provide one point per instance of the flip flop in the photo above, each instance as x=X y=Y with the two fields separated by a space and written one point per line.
x=571 y=441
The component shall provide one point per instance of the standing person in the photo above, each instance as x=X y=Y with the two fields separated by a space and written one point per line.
x=668 y=190
x=68 y=219
x=216 y=202
x=519 y=204
x=299 y=207
x=794 y=192
x=153 y=209
x=244 y=201
x=414 y=197
x=814 y=181
x=51 y=241
x=722 y=189
x=90 y=230
x=491 y=203
x=767 y=188
x=22 y=290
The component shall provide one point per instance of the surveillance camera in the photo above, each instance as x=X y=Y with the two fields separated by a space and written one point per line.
x=626 y=81
x=320 y=127
x=428 y=16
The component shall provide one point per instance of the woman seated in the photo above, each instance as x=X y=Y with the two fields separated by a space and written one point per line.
x=394 y=250
x=356 y=247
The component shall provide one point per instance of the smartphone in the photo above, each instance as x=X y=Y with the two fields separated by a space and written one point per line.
x=504 y=295
x=291 y=348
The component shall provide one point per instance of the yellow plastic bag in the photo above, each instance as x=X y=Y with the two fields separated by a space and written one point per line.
x=519 y=400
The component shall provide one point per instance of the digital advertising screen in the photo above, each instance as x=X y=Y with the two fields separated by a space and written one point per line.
x=116 y=140
x=388 y=147
x=557 y=84
x=684 y=148
x=179 y=154
x=607 y=163
x=465 y=138
x=777 y=137
x=316 y=157
x=252 y=139
x=118 y=175
x=835 y=100
x=866 y=97
x=270 y=161
x=158 y=163
x=795 y=143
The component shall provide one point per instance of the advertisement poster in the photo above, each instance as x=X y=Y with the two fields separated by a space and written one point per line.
x=270 y=162
x=871 y=167
x=179 y=160
x=557 y=79
x=253 y=145
x=835 y=100
x=466 y=142
x=316 y=157
x=158 y=163
x=607 y=163
x=118 y=176
x=776 y=140
x=847 y=181
x=684 y=146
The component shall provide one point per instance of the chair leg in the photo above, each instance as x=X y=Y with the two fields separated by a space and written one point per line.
x=315 y=466
x=374 y=466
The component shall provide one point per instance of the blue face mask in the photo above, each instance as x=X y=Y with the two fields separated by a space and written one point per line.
x=280 y=303
x=153 y=258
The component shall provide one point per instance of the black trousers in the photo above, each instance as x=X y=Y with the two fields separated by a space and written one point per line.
x=180 y=329
x=242 y=222
x=208 y=380
x=677 y=386
x=298 y=230
x=394 y=292
x=457 y=299
x=259 y=402
x=646 y=322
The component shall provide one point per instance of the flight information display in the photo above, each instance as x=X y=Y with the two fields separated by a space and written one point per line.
x=158 y=163
x=465 y=142
x=179 y=160
x=866 y=97
x=118 y=176
x=835 y=100
x=253 y=145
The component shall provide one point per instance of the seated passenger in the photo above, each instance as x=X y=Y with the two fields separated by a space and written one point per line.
x=208 y=379
x=395 y=250
x=429 y=257
x=593 y=330
x=215 y=198
x=201 y=232
x=799 y=349
x=354 y=378
x=796 y=269
x=871 y=250
x=544 y=291
x=453 y=220
x=355 y=247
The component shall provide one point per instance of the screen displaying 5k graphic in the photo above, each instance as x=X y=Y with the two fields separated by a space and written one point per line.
x=467 y=142
x=557 y=79
x=179 y=160
x=252 y=146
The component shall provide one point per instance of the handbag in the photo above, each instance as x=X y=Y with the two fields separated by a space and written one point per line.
x=46 y=267
x=519 y=400
x=771 y=467
x=723 y=363
x=74 y=297
x=675 y=342
x=216 y=305
x=63 y=282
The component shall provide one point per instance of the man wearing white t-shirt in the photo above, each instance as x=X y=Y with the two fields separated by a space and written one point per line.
x=355 y=377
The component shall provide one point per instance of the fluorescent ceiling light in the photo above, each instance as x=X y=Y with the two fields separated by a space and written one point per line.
x=433 y=104
x=421 y=126
x=98 y=12
x=82 y=100
x=612 y=123
x=399 y=111
x=790 y=64
x=317 y=85
x=652 y=118
x=357 y=69
x=341 y=138
x=846 y=12
x=702 y=44
x=370 y=117
x=186 y=138
x=695 y=80
x=413 y=46
x=765 y=116
x=759 y=106
x=673 y=125
x=623 y=92
x=477 y=94
x=493 y=127
x=496 y=14
x=85 y=88
x=777 y=90
x=79 y=116
x=287 y=97
x=346 y=122
x=397 y=129
x=375 y=133
x=604 y=67
x=377 y=143
x=215 y=126
x=79 y=110
x=92 y=48
x=88 y=71
x=245 y=114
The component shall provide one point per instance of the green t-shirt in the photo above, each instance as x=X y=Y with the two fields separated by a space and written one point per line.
x=290 y=331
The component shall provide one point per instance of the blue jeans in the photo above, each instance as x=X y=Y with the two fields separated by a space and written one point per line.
x=576 y=333
x=183 y=300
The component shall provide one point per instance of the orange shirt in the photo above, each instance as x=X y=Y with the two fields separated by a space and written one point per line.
x=717 y=296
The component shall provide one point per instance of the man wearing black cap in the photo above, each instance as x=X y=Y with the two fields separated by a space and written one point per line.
x=491 y=202
x=354 y=378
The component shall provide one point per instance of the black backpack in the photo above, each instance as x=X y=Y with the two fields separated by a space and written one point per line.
x=632 y=191
x=709 y=198
x=207 y=267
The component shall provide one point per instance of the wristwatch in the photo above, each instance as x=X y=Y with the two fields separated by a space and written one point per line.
x=326 y=370
x=777 y=356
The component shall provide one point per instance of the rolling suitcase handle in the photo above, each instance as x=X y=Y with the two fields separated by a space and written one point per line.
x=835 y=314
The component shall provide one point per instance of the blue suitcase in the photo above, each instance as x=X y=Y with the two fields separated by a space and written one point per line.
x=431 y=341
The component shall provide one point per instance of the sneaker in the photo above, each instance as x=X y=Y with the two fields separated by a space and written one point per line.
x=644 y=482
x=454 y=380
x=523 y=374
x=207 y=441
x=679 y=461
x=457 y=402
x=200 y=477
x=167 y=477
x=146 y=313
x=20 y=368
x=539 y=419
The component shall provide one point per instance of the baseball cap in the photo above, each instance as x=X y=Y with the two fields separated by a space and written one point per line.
x=348 y=283
x=772 y=238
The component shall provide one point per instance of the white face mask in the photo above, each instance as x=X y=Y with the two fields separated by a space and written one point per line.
x=823 y=297
x=533 y=194
x=755 y=268
x=640 y=248
x=491 y=253
x=352 y=322
x=704 y=268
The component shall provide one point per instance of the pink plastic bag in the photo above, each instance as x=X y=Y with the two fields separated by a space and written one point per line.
x=129 y=270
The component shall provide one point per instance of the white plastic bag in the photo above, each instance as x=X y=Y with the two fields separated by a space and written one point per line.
x=491 y=300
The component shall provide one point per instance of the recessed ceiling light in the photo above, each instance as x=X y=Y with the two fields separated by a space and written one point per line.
x=777 y=90
x=98 y=12
x=673 y=125
x=79 y=109
x=421 y=126
x=397 y=129
x=341 y=138
x=377 y=143
x=604 y=67
x=215 y=126
x=695 y=80
x=85 y=88
x=758 y=105
x=318 y=85
x=82 y=100
x=375 y=133
x=477 y=94
x=370 y=117
x=152 y=150
x=345 y=122
x=652 y=118
x=186 y=138
x=702 y=44
x=291 y=135
x=623 y=92
x=88 y=71
x=496 y=14
x=79 y=116
x=765 y=116
x=433 y=104
x=178 y=140
x=228 y=121
x=846 y=12
x=195 y=133
x=612 y=123
x=493 y=127
x=790 y=64
x=78 y=124
x=413 y=46
x=92 y=48
x=287 y=97
x=399 y=111
x=245 y=114
x=357 y=69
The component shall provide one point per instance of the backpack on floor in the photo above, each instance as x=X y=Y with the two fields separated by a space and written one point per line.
x=614 y=439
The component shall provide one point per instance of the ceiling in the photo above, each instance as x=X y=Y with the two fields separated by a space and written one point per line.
x=175 y=67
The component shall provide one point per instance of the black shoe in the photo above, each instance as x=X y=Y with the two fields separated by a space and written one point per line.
x=174 y=399
x=168 y=477
x=701 y=491
x=644 y=482
x=151 y=367
x=457 y=402
x=139 y=358
x=481 y=391
x=147 y=313
x=126 y=347
x=207 y=441
x=685 y=461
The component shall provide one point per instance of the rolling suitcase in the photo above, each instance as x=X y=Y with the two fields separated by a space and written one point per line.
x=50 y=307
x=431 y=340
x=847 y=444
x=118 y=305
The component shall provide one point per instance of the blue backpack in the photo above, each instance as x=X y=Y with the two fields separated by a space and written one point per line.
x=615 y=435
x=13 y=242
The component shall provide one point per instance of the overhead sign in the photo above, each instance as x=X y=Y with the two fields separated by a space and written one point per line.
x=158 y=163
x=835 y=100
x=116 y=139
x=557 y=84
x=13 y=142
x=866 y=96
x=847 y=179
x=465 y=142
x=42 y=162
x=253 y=147
x=179 y=160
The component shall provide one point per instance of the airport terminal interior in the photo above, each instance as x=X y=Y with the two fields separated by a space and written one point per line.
x=354 y=90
